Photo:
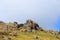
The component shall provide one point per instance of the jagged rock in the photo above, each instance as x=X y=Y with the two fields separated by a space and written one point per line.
x=31 y=25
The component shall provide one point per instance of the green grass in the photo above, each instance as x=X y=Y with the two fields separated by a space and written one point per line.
x=30 y=36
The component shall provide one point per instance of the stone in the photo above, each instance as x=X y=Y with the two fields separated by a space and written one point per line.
x=36 y=37
x=4 y=37
x=12 y=34
x=23 y=30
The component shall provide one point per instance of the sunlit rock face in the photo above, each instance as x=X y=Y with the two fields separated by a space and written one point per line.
x=30 y=25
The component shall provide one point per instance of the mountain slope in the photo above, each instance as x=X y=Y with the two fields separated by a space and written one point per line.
x=30 y=30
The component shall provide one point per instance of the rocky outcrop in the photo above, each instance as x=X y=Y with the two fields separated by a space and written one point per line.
x=31 y=25
x=12 y=26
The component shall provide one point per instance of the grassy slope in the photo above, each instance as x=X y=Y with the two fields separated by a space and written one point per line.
x=30 y=36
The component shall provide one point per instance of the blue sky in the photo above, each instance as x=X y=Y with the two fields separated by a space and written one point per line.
x=45 y=12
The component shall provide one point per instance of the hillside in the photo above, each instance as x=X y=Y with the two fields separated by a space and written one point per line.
x=30 y=30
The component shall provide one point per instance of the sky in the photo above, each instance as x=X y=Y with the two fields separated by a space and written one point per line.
x=44 y=12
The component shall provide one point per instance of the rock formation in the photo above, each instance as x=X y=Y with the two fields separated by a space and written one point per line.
x=31 y=25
